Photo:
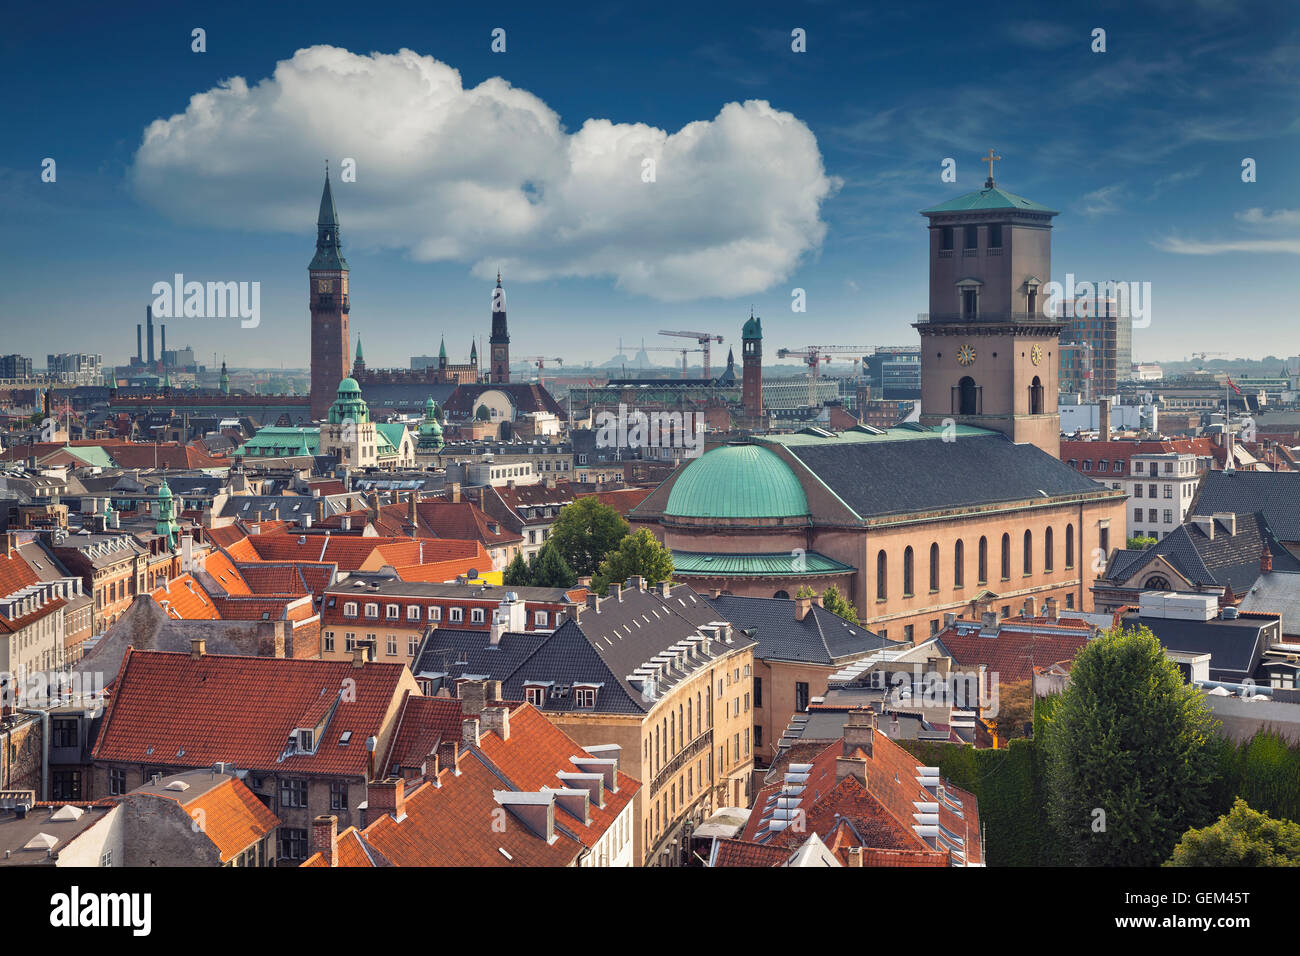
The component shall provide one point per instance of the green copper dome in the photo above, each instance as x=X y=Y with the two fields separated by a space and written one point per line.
x=349 y=406
x=737 y=481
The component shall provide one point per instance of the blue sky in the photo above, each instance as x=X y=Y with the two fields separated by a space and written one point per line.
x=812 y=178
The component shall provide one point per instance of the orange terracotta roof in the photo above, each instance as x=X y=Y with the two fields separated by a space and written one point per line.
x=173 y=710
x=186 y=600
x=233 y=818
x=15 y=573
x=226 y=574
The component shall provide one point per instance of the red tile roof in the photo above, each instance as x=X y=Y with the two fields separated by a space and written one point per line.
x=443 y=825
x=169 y=709
x=1015 y=651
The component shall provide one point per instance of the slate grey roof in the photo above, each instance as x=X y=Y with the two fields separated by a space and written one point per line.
x=1277 y=592
x=603 y=647
x=1235 y=646
x=890 y=477
x=1276 y=494
x=1226 y=560
x=820 y=638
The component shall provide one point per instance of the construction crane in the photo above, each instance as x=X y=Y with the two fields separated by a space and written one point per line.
x=705 y=339
x=669 y=348
x=540 y=361
x=1202 y=356
x=814 y=355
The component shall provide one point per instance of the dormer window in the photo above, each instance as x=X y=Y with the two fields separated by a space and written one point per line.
x=456 y=615
x=394 y=612
x=584 y=698
x=413 y=612
x=535 y=694
x=306 y=740
x=539 y=619
x=350 y=609
x=476 y=615
x=372 y=609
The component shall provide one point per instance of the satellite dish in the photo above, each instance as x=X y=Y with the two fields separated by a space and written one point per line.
x=473 y=574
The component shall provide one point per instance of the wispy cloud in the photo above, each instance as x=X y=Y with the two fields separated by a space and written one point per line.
x=1101 y=202
x=1285 y=218
x=1198 y=247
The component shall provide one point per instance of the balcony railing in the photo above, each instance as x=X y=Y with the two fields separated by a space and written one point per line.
x=702 y=743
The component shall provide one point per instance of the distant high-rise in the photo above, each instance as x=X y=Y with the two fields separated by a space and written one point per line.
x=500 y=338
x=328 y=301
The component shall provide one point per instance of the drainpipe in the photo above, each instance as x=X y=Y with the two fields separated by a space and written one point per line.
x=45 y=748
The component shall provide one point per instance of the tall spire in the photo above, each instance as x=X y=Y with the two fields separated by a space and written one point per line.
x=360 y=358
x=329 y=250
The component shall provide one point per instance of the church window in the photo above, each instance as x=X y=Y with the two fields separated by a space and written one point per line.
x=907 y=572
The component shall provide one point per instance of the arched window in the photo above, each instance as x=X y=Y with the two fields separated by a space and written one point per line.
x=784 y=595
x=967 y=396
x=1069 y=545
x=1006 y=557
x=934 y=566
x=959 y=564
x=1047 y=550
x=1036 y=397
x=907 y=571
x=882 y=576
x=1029 y=552
x=983 y=573
x=1156 y=583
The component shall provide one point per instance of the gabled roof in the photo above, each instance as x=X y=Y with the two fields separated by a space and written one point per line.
x=173 y=710
x=1275 y=494
x=1226 y=560
x=820 y=638
x=443 y=818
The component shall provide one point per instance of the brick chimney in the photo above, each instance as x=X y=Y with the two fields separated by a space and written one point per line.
x=1265 y=561
x=359 y=654
x=411 y=514
x=1051 y=609
x=198 y=647
x=453 y=492
x=473 y=697
x=449 y=756
x=497 y=719
x=802 y=607
x=855 y=856
x=320 y=509
x=859 y=731
x=386 y=796
x=1031 y=607
x=325 y=838
x=1103 y=420
x=469 y=730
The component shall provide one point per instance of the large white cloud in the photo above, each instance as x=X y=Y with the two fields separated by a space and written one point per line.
x=489 y=176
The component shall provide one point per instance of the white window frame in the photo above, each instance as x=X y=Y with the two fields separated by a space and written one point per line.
x=435 y=612
x=540 y=618
x=349 y=608
x=372 y=610
x=413 y=612
x=456 y=615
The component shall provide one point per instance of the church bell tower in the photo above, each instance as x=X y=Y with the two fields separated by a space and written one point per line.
x=990 y=356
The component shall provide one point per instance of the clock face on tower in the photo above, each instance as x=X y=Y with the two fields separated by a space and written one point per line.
x=1036 y=354
x=323 y=285
x=966 y=354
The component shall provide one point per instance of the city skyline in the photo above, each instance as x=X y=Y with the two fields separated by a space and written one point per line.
x=782 y=172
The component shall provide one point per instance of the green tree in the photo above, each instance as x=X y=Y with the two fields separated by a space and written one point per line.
x=550 y=570
x=483 y=414
x=638 y=553
x=1140 y=543
x=837 y=603
x=1241 y=837
x=805 y=591
x=517 y=573
x=585 y=531
x=1130 y=765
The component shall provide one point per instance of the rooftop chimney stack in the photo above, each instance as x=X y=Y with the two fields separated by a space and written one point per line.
x=386 y=796
x=473 y=697
x=1103 y=420
x=325 y=838
x=469 y=731
x=497 y=719
x=802 y=607
x=1265 y=560
x=198 y=647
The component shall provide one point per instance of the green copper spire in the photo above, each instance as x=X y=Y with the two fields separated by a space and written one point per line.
x=360 y=359
x=329 y=251
x=442 y=349
x=473 y=353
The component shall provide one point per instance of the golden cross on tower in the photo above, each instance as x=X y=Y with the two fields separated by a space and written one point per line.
x=990 y=159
